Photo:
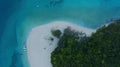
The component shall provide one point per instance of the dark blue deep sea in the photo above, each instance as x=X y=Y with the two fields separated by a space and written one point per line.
x=18 y=17
x=9 y=57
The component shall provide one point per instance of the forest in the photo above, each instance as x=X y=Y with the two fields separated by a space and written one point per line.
x=101 y=49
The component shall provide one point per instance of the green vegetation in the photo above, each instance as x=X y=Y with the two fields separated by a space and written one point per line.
x=101 y=49
x=56 y=33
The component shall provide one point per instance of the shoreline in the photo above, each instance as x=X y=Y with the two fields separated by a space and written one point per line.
x=39 y=46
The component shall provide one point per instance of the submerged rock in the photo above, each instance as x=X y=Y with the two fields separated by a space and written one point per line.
x=16 y=60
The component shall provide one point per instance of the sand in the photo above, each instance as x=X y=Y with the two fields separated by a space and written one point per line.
x=39 y=45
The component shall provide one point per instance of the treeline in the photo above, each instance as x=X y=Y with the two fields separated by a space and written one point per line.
x=101 y=49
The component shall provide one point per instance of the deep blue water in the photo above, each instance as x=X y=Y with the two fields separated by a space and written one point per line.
x=18 y=17
x=8 y=45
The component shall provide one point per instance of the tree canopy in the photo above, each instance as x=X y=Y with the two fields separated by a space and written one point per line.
x=101 y=49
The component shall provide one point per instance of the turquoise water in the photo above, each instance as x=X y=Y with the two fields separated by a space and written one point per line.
x=18 y=17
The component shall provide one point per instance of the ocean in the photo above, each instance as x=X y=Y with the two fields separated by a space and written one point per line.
x=18 y=17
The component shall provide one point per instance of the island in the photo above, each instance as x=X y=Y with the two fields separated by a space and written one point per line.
x=100 y=49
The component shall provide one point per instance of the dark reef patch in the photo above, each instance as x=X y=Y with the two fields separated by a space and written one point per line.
x=16 y=60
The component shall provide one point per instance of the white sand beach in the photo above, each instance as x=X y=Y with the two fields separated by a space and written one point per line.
x=39 y=45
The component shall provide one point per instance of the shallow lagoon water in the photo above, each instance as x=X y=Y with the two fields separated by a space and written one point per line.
x=17 y=22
